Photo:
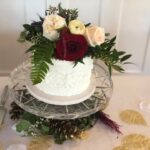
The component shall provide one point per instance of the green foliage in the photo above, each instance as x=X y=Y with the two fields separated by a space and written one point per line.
x=60 y=130
x=31 y=31
x=41 y=56
x=42 y=50
x=23 y=125
x=15 y=112
x=68 y=14
x=106 y=52
x=78 y=61
x=63 y=130
x=32 y=125
x=22 y=37
x=51 y=10
x=30 y=117
x=44 y=129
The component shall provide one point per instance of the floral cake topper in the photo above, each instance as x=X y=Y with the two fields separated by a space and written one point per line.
x=61 y=35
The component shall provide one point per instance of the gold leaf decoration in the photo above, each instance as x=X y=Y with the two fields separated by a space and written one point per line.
x=134 y=142
x=120 y=148
x=83 y=135
x=132 y=117
x=1 y=126
x=1 y=147
x=40 y=143
x=134 y=138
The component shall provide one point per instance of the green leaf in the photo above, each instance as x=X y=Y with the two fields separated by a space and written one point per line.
x=30 y=117
x=121 y=53
x=32 y=48
x=124 y=58
x=27 y=27
x=117 y=68
x=107 y=34
x=125 y=63
x=110 y=69
x=78 y=61
x=88 y=24
x=44 y=129
x=23 y=125
x=22 y=37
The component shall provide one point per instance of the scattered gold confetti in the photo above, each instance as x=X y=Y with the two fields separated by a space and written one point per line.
x=134 y=142
x=40 y=143
x=132 y=117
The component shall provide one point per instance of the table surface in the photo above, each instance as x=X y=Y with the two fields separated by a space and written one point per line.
x=129 y=91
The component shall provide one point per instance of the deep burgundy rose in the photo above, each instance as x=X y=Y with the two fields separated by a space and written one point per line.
x=71 y=47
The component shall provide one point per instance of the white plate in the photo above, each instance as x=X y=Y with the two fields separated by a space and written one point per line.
x=61 y=100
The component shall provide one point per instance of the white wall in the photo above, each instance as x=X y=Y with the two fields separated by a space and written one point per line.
x=128 y=19
x=11 y=16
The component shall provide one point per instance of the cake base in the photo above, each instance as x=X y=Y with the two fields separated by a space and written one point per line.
x=61 y=100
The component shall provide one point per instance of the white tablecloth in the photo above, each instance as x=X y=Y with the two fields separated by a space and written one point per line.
x=129 y=91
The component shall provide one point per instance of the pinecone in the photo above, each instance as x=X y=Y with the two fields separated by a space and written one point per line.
x=69 y=129
x=15 y=112
x=61 y=130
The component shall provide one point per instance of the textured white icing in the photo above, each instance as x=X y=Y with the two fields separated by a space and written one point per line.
x=63 y=79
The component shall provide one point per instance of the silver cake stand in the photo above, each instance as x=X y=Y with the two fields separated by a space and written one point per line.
x=98 y=101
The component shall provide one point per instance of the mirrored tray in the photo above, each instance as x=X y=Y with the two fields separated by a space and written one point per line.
x=98 y=101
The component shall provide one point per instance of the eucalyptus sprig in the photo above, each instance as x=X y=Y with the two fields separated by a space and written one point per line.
x=31 y=31
x=68 y=14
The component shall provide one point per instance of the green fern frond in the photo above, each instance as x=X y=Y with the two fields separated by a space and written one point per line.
x=41 y=58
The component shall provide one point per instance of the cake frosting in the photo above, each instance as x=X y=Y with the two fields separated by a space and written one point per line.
x=65 y=79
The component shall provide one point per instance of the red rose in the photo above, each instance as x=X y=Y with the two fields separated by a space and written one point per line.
x=70 y=47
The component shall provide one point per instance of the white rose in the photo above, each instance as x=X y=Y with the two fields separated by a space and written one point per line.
x=76 y=27
x=51 y=35
x=50 y=26
x=94 y=35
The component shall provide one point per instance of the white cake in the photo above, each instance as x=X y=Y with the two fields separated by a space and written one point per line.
x=63 y=79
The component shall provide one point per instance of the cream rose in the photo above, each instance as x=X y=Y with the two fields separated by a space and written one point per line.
x=50 y=26
x=76 y=27
x=94 y=35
